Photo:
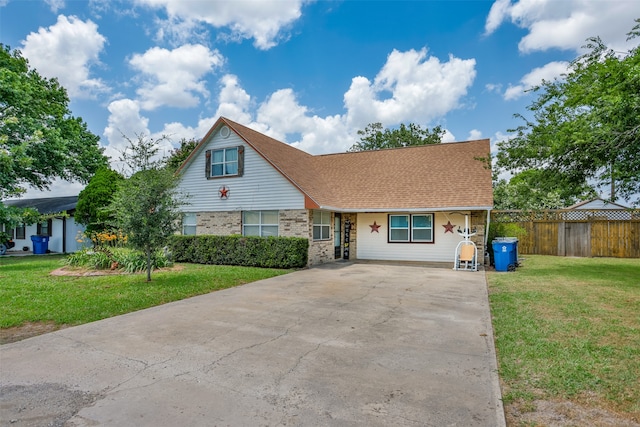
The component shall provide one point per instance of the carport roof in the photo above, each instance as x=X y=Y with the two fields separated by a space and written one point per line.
x=46 y=205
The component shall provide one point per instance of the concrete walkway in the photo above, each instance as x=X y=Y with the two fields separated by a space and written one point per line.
x=339 y=345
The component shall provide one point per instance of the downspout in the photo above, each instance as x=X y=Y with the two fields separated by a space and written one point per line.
x=64 y=234
x=486 y=232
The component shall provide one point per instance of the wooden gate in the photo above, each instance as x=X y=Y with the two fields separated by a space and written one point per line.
x=576 y=240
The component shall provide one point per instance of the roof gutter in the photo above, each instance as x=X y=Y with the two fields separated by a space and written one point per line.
x=423 y=209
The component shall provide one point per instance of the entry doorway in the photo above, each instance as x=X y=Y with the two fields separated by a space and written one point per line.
x=337 y=235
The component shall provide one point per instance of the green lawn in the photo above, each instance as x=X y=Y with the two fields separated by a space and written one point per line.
x=569 y=329
x=28 y=293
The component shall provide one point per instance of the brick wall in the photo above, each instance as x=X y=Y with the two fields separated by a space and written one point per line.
x=219 y=223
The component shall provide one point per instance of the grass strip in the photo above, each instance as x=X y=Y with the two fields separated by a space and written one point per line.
x=569 y=328
x=28 y=293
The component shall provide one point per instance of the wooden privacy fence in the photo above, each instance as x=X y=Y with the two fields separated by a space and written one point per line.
x=580 y=232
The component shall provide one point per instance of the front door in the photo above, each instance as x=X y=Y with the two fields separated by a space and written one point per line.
x=337 y=235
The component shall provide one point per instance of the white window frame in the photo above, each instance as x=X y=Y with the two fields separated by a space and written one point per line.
x=321 y=225
x=411 y=228
x=189 y=219
x=224 y=163
x=261 y=224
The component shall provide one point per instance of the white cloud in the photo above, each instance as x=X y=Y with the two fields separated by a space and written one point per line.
x=420 y=89
x=124 y=119
x=234 y=102
x=55 y=5
x=548 y=72
x=67 y=50
x=566 y=24
x=474 y=134
x=497 y=14
x=263 y=21
x=174 y=77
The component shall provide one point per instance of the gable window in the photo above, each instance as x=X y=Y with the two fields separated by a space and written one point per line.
x=224 y=162
x=260 y=223
x=21 y=232
x=321 y=225
x=416 y=228
x=189 y=221
x=44 y=228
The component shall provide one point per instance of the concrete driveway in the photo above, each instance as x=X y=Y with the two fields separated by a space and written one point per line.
x=338 y=345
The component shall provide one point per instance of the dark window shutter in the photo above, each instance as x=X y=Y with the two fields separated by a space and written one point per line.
x=240 y=160
x=207 y=166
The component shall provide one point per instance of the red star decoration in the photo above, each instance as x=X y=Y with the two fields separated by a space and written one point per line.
x=448 y=227
x=224 y=193
x=374 y=227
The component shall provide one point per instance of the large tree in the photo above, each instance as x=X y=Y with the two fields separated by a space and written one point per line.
x=94 y=200
x=39 y=138
x=375 y=137
x=536 y=189
x=586 y=126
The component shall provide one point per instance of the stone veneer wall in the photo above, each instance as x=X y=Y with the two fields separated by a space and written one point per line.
x=320 y=251
x=478 y=221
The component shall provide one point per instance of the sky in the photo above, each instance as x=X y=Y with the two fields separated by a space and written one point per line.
x=308 y=73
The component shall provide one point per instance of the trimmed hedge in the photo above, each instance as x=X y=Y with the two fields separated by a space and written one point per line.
x=248 y=251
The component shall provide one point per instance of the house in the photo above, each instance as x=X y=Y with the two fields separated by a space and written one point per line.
x=61 y=229
x=404 y=204
x=598 y=209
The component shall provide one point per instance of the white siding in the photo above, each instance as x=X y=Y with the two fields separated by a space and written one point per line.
x=260 y=188
x=375 y=246
x=55 y=241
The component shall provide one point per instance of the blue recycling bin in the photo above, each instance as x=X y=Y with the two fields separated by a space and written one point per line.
x=40 y=244
x=513 y=258
x=504 y=255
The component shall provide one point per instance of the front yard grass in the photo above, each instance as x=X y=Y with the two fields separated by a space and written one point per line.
x=28 y=293
x=568 y=329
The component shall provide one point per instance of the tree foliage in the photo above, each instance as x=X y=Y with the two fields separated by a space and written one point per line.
x=39 y=139
x=586 y=126
x=375 y=137
x=94 y=200
x=180 y=154
x=536 y=189
x=141 y=154
x=147 y=210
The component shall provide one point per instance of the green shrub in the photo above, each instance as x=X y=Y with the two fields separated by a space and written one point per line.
x=249 y=251
x=125 y=259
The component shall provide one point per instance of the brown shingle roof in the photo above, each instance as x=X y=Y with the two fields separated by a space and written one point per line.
x=440 y=176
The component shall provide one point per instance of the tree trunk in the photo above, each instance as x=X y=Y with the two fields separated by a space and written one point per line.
x=148 y=264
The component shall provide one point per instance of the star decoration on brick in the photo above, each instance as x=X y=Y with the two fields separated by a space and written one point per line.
x=448 y=227
x=374 y=227
x=224 y=192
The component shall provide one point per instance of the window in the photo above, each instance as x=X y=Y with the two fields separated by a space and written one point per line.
x=20 y=232
x=417 y=228
x=189 y=221
x=224 y=162
x=260 y=223
x=321 y=225
x=422 y=228
x=44 y=228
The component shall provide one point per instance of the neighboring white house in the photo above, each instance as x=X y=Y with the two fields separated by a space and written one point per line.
x=599 y=209
x=62 y=230
x=397 y=204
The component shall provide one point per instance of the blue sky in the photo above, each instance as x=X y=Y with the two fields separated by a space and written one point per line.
x=309 y=73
